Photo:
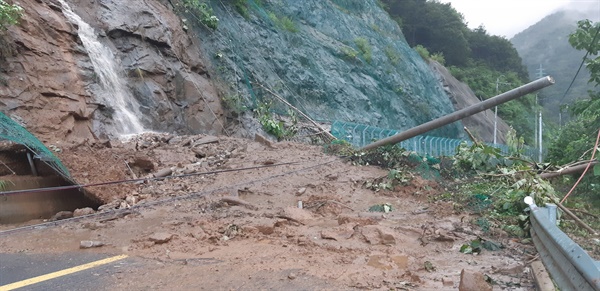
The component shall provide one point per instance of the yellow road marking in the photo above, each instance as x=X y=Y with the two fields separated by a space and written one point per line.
x=60 y=273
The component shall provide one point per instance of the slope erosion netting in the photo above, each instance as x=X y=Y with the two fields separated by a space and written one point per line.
x=12 y=131
x=334 y=60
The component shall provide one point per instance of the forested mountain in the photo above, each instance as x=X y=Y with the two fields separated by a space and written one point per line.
x=489 y=64
x=546 y=44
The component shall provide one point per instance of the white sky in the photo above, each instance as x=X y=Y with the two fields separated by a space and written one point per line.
x=509 y=17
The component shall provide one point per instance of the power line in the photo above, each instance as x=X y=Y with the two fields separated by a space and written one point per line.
x=78 y=186
x=582 y=62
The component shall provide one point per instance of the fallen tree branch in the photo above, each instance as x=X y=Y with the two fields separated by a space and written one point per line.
x=584 y=212
x=579 y=221
x=297 y=110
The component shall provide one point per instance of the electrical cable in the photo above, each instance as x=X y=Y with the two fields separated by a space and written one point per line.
x=582 y=62
x=79 y=186
x=586 y=168
x=117 y=212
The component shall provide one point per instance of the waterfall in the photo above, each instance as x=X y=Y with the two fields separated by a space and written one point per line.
x=126 y=108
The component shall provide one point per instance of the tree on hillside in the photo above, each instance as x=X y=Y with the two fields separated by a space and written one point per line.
x=436 y=26
x=579 y=135
x=474 y=56
x=495 y=51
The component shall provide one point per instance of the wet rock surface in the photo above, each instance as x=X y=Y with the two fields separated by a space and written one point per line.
x=48 y=83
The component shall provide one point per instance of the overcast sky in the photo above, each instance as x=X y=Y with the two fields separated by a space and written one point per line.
x=509 y=17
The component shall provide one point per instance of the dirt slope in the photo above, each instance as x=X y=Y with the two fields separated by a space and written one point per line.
x=244 y=230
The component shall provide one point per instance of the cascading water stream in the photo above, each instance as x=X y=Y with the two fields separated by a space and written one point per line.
x=116 y=93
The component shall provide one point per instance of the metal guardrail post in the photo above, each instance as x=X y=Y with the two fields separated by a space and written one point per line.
x=569 y=265
x=551 y=208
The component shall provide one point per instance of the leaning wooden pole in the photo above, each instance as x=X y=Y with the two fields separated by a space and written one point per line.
x=465 y=112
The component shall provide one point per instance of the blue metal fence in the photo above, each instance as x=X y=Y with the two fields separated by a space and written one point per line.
x=360 y=135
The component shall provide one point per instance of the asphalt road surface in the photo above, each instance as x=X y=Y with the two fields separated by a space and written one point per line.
x=68 y=271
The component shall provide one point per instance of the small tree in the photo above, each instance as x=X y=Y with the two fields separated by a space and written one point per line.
x=10 y=14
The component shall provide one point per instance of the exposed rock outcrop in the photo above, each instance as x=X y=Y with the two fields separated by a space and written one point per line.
x=480 y=124
x=49 y=84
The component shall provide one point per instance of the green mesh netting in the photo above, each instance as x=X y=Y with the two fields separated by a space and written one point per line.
x=360 y=135
x=10 y=130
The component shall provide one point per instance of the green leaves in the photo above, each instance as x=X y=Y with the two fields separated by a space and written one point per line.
x=597 y=170
x=9 y=15
x=475 y=246
x=385 y=208
x=202 y=11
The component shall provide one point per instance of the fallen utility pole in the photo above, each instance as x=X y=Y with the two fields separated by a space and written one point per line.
x=566 y=171
x=465 y=112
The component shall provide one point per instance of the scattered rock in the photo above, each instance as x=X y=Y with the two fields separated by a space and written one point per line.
x=354 y=220
x=61 y=215
x=328 y=234
x=297 y=214
x=131 y=200
x=83 y=211
x=108 y=206
x=401 y=261
x=263 y=140
x=206 y=140
x=87 y=244
x=265 y=229
x=238 y=201
x=473 y=281
x=143 y=162
x=160 y=237
x=301 y=191
x=292 y=276
x=163 y=173
x=332 y=177
x=375 y=235
x=379 y=262
x=447 y=282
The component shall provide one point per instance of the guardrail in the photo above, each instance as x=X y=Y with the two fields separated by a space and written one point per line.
x=569 y=265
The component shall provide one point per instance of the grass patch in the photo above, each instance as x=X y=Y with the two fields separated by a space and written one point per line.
x=392 y=55
x=284 y=23
x=365 y=48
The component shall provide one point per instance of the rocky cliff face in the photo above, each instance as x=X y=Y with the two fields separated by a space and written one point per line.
x=334 y=60
x=481 y=124
x=48 y=83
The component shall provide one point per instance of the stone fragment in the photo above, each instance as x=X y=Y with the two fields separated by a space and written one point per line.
x=131 y=200
x=301 y=191
x=351 y=219
x=447 y=282
x=83 y=211
x=473 y=281
x=375 y=235
x=87 y=244
x=328 y=234
x=263 y=140
x=265 y=229
x=160 y=237
x=61 y=215
x=296 y=213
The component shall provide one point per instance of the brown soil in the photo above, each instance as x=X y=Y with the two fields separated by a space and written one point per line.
x=244 y=230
